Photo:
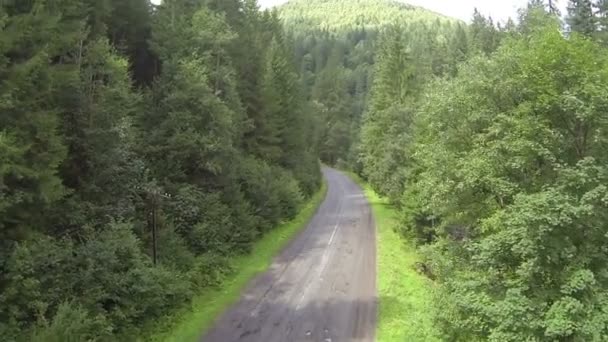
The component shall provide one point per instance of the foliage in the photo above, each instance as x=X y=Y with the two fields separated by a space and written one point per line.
x=526 y=186
x=129 y=130
x=71 y=324
x=491 y=142
x=337 y=45
x=338 y=15
x=503 y=174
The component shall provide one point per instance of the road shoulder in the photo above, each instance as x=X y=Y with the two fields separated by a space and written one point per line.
x=405 y=307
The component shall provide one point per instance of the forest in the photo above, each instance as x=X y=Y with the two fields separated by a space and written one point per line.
x=491 y=140
x=142 y=146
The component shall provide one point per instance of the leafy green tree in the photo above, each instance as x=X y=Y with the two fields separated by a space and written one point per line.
x=514 y=171
x=97 y=274
x=71 y=324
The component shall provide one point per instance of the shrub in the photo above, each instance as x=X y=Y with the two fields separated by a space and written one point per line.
x=71 y=323
x=173 y=251
x=202 y=219
x=107 y=275
x=209 y=270
x=274 y=192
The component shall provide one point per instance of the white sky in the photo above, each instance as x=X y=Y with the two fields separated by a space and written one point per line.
x=462 y=9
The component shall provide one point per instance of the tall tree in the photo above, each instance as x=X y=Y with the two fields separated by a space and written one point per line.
x=553 y=6
x=385 y=131
x=485 y=37
x=189 y=122
x=509 y=162
x=602 y=21
x=36 y=38
x=581 y=18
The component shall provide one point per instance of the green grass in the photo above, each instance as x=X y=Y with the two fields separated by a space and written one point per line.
x=405 y=308
x=190 y=324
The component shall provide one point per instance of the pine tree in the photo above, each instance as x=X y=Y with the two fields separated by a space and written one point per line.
x=385 y=131
x=128 y=29
x=458 y=47
x=188 y=132
x=484 y=35
x=100 y=169
x=581 y=18
x=602 y=21
x=330 y=90
x=553 y=6
x=36 y=39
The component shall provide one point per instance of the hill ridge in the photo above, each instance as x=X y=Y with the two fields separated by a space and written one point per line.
x=344 y=14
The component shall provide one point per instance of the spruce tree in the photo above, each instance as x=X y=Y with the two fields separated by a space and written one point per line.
x=484 y=35
x=386 y=125
x=189 y=129
x=602 y=21
x=581 y=18
x=36 y=38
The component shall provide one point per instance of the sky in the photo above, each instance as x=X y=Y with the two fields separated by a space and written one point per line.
x=500 y=10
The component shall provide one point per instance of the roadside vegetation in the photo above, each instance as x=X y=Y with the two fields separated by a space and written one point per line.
x=499 y=171
x=208 y=305
x=143 y=149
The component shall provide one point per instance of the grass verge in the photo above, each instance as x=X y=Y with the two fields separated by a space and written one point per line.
x=207 y=306
x=406 y=309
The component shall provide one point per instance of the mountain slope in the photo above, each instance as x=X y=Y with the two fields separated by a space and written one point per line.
x=339 y=15
x=336 y=45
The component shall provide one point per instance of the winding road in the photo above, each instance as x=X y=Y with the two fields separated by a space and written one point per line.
x=322 y=287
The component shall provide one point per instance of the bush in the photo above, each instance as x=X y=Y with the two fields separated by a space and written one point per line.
x=39 y=275
x=418 y=223
x=205 y=221
x=173 y=251
x=116 y=278
x=72 y=324
x=108 y=275
x=288 y=191
x=308 y=174
x=274 y=192
x=209 y=270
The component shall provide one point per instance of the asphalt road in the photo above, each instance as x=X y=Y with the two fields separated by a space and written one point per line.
x=322 y=287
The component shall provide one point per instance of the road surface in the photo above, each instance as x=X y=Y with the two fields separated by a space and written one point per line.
x=322 y=287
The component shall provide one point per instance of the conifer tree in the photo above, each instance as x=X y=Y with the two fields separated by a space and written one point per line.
x=581 y=18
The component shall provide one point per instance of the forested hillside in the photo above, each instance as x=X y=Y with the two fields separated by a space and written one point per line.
x=337 y=45
x=492 y=144
x=342 y=15
x=140 y=146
